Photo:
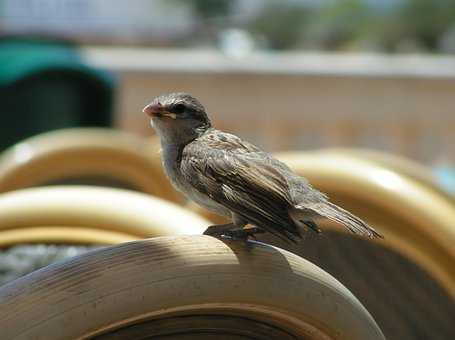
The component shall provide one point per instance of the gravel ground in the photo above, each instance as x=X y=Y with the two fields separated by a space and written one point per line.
x=20 y=260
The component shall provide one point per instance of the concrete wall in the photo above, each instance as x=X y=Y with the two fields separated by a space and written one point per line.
x=403 y=104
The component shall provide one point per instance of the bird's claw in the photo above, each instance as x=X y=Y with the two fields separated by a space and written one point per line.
x=230 y=231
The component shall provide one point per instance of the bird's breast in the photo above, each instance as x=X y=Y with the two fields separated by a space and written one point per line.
x=170 y=159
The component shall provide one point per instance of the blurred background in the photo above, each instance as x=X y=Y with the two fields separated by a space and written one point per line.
x=291 y=74
x=288 y=75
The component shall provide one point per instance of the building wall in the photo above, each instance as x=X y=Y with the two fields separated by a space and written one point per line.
x=303 y=104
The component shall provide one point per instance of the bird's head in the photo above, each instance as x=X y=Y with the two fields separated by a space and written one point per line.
x=177 y=117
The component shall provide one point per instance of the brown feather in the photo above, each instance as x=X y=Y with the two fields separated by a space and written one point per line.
x=259 y=188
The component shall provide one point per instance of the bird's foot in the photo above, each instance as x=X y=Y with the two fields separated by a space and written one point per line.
x=233 y=232
x=244 y=233
x=218 y=230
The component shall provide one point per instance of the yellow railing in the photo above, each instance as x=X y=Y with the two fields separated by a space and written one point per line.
x=415 y=216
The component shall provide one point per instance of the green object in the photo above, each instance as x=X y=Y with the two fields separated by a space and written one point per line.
x=45 y=85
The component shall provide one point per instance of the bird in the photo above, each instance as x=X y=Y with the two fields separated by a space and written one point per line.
x=236 y=179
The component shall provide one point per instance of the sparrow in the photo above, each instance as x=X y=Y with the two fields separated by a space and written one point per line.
x=236 y=179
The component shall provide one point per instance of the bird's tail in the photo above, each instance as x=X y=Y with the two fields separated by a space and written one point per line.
x=341 y=216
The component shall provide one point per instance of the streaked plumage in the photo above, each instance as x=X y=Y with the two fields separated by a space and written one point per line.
x=236 y=179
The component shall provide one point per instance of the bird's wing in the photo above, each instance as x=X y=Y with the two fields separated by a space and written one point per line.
x=242 y=178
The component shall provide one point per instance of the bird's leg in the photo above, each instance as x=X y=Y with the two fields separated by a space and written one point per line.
x=234 y=230
x=219 y=229
x=237 y=223
x=244 y=233
x=241 y=233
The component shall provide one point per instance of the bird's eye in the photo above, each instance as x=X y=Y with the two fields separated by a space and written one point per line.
x=178 y=108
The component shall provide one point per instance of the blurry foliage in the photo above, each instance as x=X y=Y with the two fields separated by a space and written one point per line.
x=427 y=21
x=213 y=16
x=209 y=8
x=393 y=25
x=356 y=24
x=280 y=25
x=338 y=25
x=375 y=25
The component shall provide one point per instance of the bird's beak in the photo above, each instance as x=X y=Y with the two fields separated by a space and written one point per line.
x=157 y=110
